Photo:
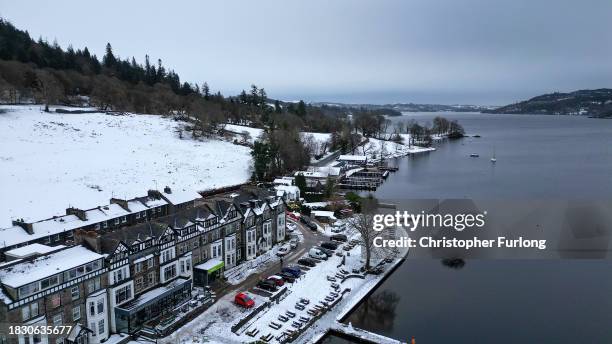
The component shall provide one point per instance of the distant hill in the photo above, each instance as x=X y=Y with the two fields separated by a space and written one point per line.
x=397 y=108
x=594 y=103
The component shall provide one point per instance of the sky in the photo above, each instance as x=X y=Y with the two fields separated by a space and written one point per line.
x=380 y=51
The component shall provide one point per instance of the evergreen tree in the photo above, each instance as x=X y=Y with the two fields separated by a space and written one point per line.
x=301 y=109
x=109 y=59
x=277 y=107
x=206 y=91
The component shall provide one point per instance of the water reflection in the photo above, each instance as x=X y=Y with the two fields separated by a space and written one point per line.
x=377 y=313
x=454 y=263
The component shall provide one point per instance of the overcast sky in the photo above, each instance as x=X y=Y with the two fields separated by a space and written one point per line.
x=427 y=51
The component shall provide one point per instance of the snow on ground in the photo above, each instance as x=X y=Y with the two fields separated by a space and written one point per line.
x=313 y=285
x=254 y=133
x=375 y=147
x=49 y=161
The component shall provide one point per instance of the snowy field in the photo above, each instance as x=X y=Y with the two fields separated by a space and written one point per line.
x=49 y=161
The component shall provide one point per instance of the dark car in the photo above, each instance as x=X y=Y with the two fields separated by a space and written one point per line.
x=307 y=262
x=327 y=252
x=305 y=219
x=288 y=277
x=330 y=245
x=339 y=237
x=312 y=226
x=267 y=285
x=293 y=270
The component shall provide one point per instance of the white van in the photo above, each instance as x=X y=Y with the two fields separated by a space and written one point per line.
x=317 y=254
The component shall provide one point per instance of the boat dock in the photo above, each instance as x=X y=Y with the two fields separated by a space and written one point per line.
x=358 y=335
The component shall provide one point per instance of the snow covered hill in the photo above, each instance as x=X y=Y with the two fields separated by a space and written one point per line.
x=49 y=161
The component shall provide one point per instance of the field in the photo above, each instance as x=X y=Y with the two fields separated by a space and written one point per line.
x=49 y=161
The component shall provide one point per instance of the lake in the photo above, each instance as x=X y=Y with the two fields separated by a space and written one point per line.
x=503 y=301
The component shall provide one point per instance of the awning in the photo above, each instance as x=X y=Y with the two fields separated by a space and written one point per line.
x=154 y=295
x=210 y=265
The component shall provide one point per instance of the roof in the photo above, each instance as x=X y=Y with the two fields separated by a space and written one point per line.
x=287 y=189
x=110 y=240
x=282 y=181
x=180 y=196
x=210 y=264
x=353 y=158
x=29 y=250
x=323 y=213
x=313 y=174
x=26 y=272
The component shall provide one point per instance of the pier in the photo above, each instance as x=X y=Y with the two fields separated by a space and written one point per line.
x=359 y=335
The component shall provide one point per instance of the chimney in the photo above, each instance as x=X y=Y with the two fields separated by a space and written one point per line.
x=167 y=190
x=77 y=212
x=25 y=225
x=121 y=202
x=88 y=238
x=154 y=194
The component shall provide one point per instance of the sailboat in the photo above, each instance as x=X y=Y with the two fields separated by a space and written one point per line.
x=493 y=159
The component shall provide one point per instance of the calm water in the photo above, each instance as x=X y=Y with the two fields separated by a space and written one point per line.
x=502 y=301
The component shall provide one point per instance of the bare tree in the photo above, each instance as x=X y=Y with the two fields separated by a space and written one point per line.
x=363 y=223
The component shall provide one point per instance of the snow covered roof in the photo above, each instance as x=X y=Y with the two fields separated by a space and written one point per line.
x=353 y=171
x=32 y=249
x=180 y=196
x=282 y=181
x=288 y=189
x=26 y=272
x=313 y=174
x=209 y=264
x=360 y=158
x=323 y=213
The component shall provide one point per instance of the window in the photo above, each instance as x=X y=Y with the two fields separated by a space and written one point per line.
x=137 y=215
x=92 y=327
x=56 y=300
x=150 y=263
x=92 y=308
x=123 y=219
x=143 y=214
x=100 y=306
x=49 y=282
x=104 y=224
x=166 y=255
x=123 y=293
x=116 y=221
x=138 y=283
x=169 y=272
x=29 y=311
x=151 y=278
x=138 y=267
x=76 y=313
x=57 y=319
x=75 y=292
x=101 y=326
x=120 y=274
x=93 y=285
x=56 y=237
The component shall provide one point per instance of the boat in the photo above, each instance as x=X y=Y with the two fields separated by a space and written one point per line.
x=493 y=159
x=474 y=155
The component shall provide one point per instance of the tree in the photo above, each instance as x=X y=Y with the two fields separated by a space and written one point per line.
x=455 y=130
x=261 y=160
x=277 y=107
x=363 y=223
x=206 y=90
x=301 y=109
x=109 y=59
x=300 y=182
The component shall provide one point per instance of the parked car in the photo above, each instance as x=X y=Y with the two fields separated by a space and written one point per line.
x=327 y=252
x=317 y=254
x=305 y=219
x=244 y=300
x=293 y=243
x=293 y=270
x=338 y=227
x=277 y=280
x=307 y=262
x=339 y=237
x=330 y=245
x=267 y=285
x=288 y=277
x=291 y=227
x=312 y=226
x=283 y=250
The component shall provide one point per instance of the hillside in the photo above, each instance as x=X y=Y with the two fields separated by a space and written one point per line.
x=397 y=108
x=595 y=103
x=49 y=161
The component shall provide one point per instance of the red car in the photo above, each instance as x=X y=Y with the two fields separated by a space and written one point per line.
x=244 y=300
x=277 y=280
